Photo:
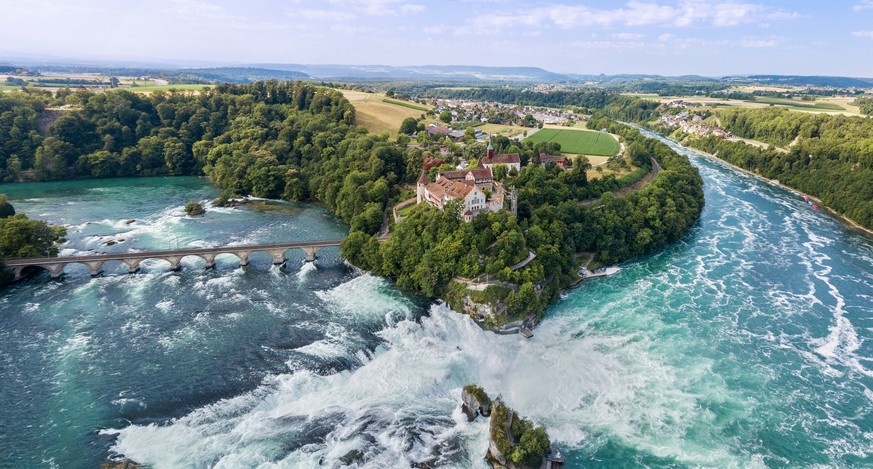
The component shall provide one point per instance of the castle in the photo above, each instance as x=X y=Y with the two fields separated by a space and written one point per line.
x=475 y=188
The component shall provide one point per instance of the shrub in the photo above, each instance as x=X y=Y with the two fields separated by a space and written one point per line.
x=194 y=208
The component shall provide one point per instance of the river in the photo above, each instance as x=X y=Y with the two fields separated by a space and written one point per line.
x=747 y=344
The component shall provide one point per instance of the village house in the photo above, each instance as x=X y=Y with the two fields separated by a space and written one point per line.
x=445 y=131
x=560 y=161
x=431 y=162
x=436 y=129
x=511 y=160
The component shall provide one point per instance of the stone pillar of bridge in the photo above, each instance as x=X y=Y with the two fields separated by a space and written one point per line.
x=57 y=269
x=96 y=267
x=311 y=252
x=132 y=265
x=210 y=260
x=175 y=262
x=16 y=272
x=278 y=256
x=243 y=257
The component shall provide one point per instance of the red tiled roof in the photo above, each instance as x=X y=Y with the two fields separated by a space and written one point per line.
x=431 y=162
x=502 y=158
x=452 y=188
x=438 y=129
x=478 y=173
x=544 y=158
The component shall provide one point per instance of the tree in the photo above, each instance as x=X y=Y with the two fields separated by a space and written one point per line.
x=194 y=208
x=446 y=116
x=23 y=237
x=532 y=447
x=6 y=209
x=409 y=126
x=524 y=301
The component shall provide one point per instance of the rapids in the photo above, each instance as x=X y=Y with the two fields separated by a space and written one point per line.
x=747 y=344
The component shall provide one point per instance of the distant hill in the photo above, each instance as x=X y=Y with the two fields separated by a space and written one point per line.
x=624 y=78
x=798 y=80
x=470 y=73
x=241 y=74
x=457 y=74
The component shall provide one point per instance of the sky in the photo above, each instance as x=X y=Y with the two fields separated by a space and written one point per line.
x=668 y=37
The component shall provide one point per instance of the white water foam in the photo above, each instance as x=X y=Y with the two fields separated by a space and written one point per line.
x=401 y=405
x=306 y=270
x=365 y=296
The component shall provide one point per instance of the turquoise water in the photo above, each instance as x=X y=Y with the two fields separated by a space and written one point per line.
x=747 y=344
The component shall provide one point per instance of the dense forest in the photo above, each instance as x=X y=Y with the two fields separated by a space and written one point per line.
x=612 y=104
x=829 y=156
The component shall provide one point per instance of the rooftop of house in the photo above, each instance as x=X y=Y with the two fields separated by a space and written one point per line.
x=478 y=173
x=502 y=158
x=556 y=158
x=454 y=189
x=438 y=129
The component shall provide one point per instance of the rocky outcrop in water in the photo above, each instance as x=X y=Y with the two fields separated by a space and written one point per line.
x=125 y=464
x=475 y=402
x=514 y=442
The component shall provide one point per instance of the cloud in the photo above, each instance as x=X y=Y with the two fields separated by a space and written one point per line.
x=380 y=7
x=864 y=5
x=761 y=43
x=316 y=14
x=634 y=13
x=863 y=34
x=628 y=36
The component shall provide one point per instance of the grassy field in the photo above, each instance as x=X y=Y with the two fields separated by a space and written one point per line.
x=499 y=129
x=796 y=104
x=580 y=142
x=408 y=210
x=378 y=113
x=409 y=104
x=824 y=104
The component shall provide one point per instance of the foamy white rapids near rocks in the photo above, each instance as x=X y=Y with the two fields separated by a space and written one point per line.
x=402 y=405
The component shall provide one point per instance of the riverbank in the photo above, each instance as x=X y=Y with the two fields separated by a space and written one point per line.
x=846 y=220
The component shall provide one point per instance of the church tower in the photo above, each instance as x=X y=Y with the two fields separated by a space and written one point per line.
x=490 y=152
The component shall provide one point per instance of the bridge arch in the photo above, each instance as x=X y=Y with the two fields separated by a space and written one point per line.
x=277 y=255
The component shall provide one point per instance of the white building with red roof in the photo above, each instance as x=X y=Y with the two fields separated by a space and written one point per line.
x=468 y=186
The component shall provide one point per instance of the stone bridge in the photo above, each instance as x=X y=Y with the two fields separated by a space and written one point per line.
x=55 y=265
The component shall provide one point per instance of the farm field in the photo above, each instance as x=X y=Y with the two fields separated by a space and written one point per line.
x=580 y=142
x=410 y=105
x=380 y=114
x=824 y=104
x=796 y=104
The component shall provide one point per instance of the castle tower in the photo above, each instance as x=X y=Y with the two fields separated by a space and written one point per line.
x=423 y=181
x=490 y=152
x=513 y=202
